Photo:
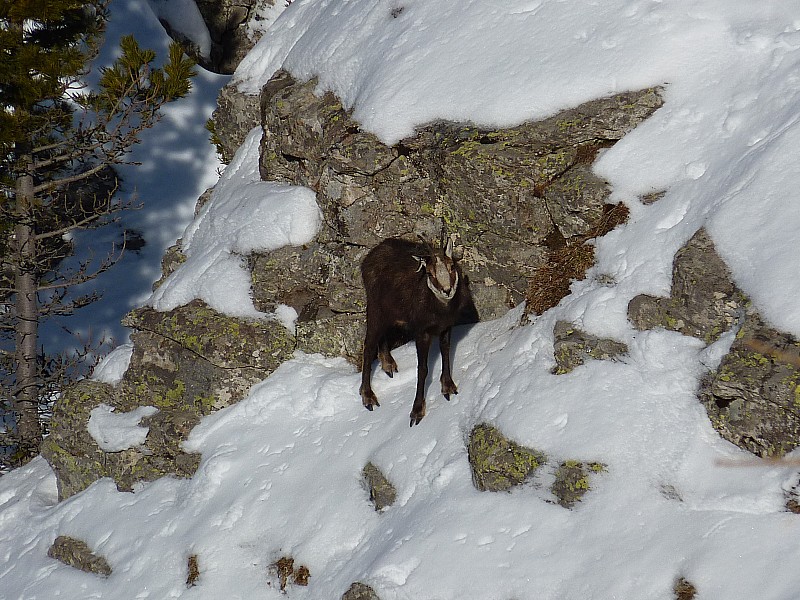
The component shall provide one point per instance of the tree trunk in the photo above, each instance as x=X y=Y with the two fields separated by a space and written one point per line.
x=26 y=395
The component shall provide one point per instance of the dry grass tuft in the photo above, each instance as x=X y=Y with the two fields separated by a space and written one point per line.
x=284 y=569
x=194 y=571
x=569 y=260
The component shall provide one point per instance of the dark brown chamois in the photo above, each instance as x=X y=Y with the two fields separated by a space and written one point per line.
x=414 y=292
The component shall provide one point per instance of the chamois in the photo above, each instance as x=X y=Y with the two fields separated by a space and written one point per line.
x=414 y=292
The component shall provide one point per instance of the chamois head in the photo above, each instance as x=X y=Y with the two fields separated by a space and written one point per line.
x=442 y=275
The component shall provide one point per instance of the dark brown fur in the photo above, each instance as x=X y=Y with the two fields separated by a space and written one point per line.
x=401 y=308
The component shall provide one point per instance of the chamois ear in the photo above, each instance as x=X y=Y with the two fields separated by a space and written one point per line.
x=448 y=250
x=423 y=262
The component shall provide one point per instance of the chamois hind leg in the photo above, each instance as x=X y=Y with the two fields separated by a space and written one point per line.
x=423 y=346
x=385 y=356
x=448 y=386
x=368 y=397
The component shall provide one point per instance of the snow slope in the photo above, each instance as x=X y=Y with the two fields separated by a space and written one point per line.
x=280 y=471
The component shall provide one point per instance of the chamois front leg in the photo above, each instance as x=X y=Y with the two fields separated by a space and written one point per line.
x=423 y=342
x=448 y=386
x=368 y=397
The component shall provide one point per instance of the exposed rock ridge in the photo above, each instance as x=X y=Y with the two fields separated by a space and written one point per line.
x=753 y=397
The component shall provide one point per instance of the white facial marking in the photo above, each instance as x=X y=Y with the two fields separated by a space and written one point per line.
x=441 y=295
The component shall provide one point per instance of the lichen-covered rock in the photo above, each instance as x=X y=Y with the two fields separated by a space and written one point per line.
x=78 y=461
x=381 y=492
x=236 y=114
x=572 y=347
x=360 y=591
x=194 y=356
x=172 y=259
x=187 y=363
x=499 y=193
x=703 y=302
x=572 y=481
x=753 y=398
x=78 y=555
x=497 y=463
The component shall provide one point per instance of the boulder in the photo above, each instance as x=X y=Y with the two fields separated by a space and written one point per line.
x=381 y=491
x=360 y=591
x=78 y=555
x=572 y=347
x=753 y=398
x=572 y=481
x=497 y=463
x=703 y=302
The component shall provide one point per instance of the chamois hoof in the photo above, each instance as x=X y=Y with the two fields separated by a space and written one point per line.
x=448 y=387
x=387 y=363
x=369 y=400
x=417 y=416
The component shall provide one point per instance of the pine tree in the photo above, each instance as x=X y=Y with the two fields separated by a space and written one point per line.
x=56 y=135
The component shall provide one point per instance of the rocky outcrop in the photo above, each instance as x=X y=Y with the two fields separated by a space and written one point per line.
x=78 y=461
x=703 y=303
x=186 y=363
x=227 y=24
x=505 y=196
x=753 y=397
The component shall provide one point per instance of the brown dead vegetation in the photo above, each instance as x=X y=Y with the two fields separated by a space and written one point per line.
x=569 y=260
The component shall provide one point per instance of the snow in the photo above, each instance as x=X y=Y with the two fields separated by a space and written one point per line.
x=280 y=471
x=115 y=431
x=185 y=19
x=113 y=366
x=244 y=214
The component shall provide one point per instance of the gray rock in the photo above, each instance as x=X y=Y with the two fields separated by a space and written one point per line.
x=78 y=461
x=753 y=398
x=572 y=481
x=497 y=463
x=226 y=21
x=360 y=591
x=572 y=347
x=498 y=193
x=78 y=555
x=236 y=114
x=703 y=302
x=187 y=363
x=381 y=492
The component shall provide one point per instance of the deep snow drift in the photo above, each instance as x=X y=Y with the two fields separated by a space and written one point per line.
x=280 y=473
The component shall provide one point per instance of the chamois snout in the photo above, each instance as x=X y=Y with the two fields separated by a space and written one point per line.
x=414 y=292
